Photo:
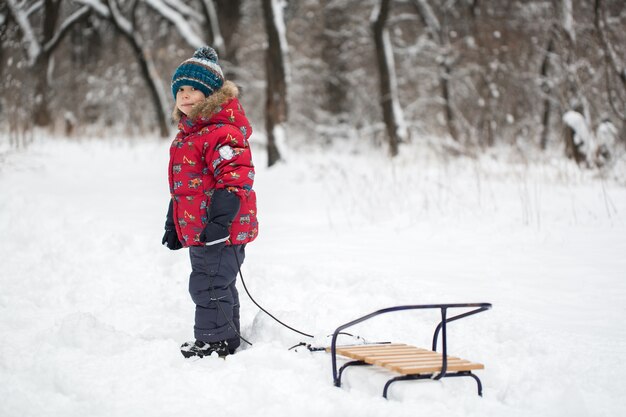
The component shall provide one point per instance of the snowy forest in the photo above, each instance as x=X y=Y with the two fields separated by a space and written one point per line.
x=473 y=73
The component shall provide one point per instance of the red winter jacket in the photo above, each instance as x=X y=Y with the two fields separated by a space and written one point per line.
x=211 y=151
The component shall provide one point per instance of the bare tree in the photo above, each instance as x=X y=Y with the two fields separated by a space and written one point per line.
x=41 y=43
x=189 y=22
x=392 y=112
x=484 y=71
x=229 y=16
x=215 y=33
x=196 y=27
x=613 y=64
x=215 y=23
x=126 y=26
x=4 y=20
x=277 y=78
x=431 y=22
x=547 y=91
x=559 y=84
x=576 y=145
x=489 y=67
x=336 y=86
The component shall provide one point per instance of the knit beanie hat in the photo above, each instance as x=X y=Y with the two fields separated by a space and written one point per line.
x=201 y=71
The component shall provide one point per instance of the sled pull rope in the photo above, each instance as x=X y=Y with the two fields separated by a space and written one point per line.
x=312 y=348
x=308 y=346
x=262 y=309
x=230 y=323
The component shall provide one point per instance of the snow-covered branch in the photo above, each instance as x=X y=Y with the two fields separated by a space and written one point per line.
x=611 y=57
x=149 y=71
x=375 y=15
x=279 y=19
x=279 y=22
x=178 y=20
x=567 y=19
x=33 y=48
x=97 y=6
x=576 y=121
x=216 y=33
x=185 y=10
x=34 y=7
x=65 y=27
x=393 y=115
x=119 y=19
x=184 y=18
x=429 y=18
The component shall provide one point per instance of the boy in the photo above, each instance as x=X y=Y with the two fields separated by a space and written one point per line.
x=213 y=206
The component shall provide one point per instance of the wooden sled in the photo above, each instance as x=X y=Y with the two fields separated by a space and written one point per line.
x=409 y=361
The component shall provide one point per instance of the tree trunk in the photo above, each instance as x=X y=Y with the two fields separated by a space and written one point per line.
x=4 y=24
x=545 y=87
x=275 y=68
x=152 y=79
x=148 y=69
x=2 y=60
x=213 y=26
x=392 y=112
x=229 y=16
x=40 y=51
x=444 y=80
x=335 y=85
x=42 y=116
x=430 y=21
x=611 y=61
x=576 y=99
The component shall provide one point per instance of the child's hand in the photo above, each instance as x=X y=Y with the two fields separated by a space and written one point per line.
x=170 y=239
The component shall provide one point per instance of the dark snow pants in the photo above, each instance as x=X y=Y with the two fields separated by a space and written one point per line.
x=212 y=288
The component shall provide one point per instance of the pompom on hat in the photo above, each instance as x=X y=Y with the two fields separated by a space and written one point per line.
x=201 y=71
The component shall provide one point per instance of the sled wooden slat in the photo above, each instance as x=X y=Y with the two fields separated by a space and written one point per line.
x=391 y=355
x=394 y=361
x=406 y=359
x=373 y=346
x=380 y=353
x=425 y=369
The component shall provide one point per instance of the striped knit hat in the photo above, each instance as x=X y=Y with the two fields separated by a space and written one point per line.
x=201 y=71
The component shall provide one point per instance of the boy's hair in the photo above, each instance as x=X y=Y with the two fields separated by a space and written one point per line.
x=201 y=72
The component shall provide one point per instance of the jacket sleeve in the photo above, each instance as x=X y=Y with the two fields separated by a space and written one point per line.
x=169 y=219
x=231 y=162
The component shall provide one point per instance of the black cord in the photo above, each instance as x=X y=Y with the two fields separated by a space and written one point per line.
x=219 y=305
x=257 y=304
x=312 y=348
x=308 y=345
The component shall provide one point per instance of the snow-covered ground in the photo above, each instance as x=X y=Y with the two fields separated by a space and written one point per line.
x=93 y=309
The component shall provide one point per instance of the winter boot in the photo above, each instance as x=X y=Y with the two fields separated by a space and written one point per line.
x=202 y=349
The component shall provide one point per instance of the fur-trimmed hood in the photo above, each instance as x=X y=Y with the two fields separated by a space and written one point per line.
x=212 y=104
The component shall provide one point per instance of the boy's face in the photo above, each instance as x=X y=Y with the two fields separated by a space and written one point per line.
x=187 y=97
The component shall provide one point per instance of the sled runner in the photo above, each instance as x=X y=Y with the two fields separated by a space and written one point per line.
x=409 y=361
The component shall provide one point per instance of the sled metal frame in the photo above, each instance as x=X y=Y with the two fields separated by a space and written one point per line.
x=441 y=328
